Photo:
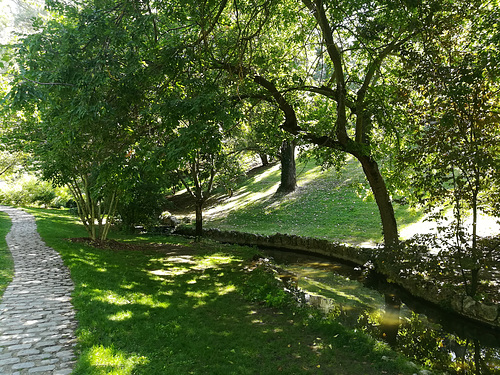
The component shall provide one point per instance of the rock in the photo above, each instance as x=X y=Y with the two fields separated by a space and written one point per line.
x=468 y=305
x=487 y=312
x=457 y=303
x=171 y=221
x=479 y=310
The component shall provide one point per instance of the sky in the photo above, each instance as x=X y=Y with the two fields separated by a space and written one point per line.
x=7 y=7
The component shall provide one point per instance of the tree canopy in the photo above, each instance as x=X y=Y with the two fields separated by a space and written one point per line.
x=103 y=87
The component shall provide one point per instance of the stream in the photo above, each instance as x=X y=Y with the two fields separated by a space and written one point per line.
x=422 y=332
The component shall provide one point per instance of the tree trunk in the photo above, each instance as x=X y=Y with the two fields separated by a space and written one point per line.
x=199 y=218
x=264 y=159
x=288 y=170
x=379 y=189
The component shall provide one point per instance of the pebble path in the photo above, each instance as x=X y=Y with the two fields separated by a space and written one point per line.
x=37 y=320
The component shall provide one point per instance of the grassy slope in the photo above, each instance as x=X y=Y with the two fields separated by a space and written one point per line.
x=326 y=205
x=182 y=310
x=6 y=262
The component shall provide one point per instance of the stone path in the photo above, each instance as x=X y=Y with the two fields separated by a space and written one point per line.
x=36 y=316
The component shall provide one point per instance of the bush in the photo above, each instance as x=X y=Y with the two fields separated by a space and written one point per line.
x=29 y=190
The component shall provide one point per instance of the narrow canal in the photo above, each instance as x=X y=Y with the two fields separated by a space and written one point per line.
x=422 y=332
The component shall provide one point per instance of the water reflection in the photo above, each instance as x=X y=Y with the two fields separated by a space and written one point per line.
x=389 y=322
x=423 y=333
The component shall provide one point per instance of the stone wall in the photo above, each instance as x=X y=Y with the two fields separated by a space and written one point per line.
x=351 y=254
x=425 y=289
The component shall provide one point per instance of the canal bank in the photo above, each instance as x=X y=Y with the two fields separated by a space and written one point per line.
x=391 y=264
x=412 y=314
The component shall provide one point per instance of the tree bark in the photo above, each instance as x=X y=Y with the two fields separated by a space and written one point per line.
x=264 y=158
x=379 y=189
x=199 y=218
x=288 y=170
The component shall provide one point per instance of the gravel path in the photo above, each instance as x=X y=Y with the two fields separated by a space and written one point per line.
x=36 y=316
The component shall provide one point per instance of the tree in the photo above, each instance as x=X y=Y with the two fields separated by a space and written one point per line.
x=73 y=107
x=337 y=53
x=288 y=171
x=196 y=148
x=263 y=136
x=454 y=153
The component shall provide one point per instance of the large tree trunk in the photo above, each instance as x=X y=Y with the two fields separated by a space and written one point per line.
x=288 y=170
x=199 y=218
x=379 y=189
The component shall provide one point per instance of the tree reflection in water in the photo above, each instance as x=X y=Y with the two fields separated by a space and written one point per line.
x=428 y=343
x=423 y=333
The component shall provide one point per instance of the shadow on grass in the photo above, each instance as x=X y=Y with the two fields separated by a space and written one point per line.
x=180 y=310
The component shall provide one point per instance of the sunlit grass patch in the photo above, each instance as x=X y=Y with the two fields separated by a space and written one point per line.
x=107 y=360
x=326 y=204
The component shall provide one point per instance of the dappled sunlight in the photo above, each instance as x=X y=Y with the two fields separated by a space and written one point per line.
x=111 y=298
x=239 y=201
x=324 y=205
x=173 y=271
x=346 y=294
x=242 y=197
x=127 y=298
x=121 y=316
x=111 y=361
x=267 y=173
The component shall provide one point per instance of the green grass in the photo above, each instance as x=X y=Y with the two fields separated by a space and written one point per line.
x=326 y=205
x=186 y=309
x=6 y=262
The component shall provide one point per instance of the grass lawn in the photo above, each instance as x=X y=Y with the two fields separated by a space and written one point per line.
x=6 y=262
x=326 y=205
x=178 y=307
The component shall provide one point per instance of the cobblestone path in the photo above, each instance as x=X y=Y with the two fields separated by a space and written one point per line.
x=36 y=316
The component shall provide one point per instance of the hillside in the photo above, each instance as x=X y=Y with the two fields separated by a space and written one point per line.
x=327 y=204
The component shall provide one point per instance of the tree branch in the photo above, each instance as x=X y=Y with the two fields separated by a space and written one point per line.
x=50 y=83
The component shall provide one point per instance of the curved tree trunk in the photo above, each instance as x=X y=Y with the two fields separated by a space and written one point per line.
x=379 y=189
x=288 y=170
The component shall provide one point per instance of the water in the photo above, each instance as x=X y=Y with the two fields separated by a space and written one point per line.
x=422 y=332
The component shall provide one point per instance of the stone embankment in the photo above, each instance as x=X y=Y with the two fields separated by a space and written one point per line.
x=448 y=298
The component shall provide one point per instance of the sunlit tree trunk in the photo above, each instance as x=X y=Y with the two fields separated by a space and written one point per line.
x=382 y=197
x=96 y=214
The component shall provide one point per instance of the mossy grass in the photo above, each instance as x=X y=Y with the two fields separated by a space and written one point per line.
x=187 y=307
x=327 y=204
x=6 y=262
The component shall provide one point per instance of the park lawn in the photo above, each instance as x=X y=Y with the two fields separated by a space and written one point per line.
x=327 y=204
x=6 y=262
x=192 y=308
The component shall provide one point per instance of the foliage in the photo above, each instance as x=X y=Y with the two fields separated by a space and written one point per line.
x=454 y=151
x=71 y=115
x=331 y=73
x=29 y=190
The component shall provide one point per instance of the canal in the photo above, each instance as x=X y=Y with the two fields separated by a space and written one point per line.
x=365 y=301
